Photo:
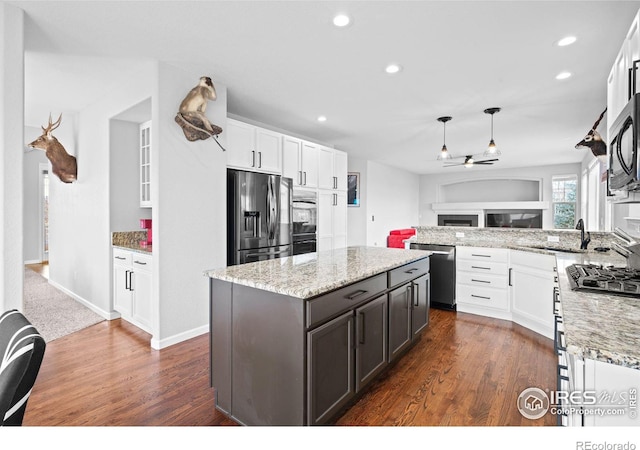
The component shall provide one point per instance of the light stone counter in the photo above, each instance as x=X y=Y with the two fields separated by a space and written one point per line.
x=313 y=274
x=598 y=326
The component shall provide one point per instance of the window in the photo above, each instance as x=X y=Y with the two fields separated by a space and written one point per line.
x=564 y=200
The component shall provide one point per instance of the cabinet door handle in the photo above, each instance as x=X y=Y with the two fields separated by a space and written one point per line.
x=510 y=270
x=361 y=337
x=409 y=293
x=126 y=280
x=416 y=294
x=259 y=159
x=482 y=256
x=483 y=268
x=305 y=178
x=481 y=296
x=335 y=182
x=131 y=281
x=356 y=294
x=300 y=177
x=483 y=281
x=253 y=158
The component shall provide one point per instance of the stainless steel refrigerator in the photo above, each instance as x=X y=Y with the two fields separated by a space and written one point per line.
x=259 y=217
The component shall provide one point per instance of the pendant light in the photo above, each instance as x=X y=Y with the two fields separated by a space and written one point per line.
x=492 y=150
x=444 y=153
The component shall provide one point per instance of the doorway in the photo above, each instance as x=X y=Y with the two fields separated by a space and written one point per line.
x=43 y=189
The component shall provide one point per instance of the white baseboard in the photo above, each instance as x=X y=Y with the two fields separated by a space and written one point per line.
x=159 y=344
x=106 y=314
x=33 y=261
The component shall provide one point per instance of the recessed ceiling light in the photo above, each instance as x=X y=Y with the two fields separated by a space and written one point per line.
x=563 y=75
x=322 y=118
x=566 y=41
x=341 y=20
x=393 y=68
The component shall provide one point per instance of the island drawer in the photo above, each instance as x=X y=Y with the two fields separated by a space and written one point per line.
x=408 y=272
x=121 y=256
x=322 y=308
x=485 y=254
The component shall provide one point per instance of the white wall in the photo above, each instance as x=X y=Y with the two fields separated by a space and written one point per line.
x=124 y=186
x=430 y=183
x=357 y=215
x=189 y=213
x=11 y=155
x=32 y=246
x=392 y=201
x=79 y=213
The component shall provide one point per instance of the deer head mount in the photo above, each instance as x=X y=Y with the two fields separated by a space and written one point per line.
x=593 y=140
x=191 y=117
x=63 y=164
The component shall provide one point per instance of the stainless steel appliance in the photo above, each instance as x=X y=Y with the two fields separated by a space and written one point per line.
x=259 y=213
x=631 y=249
x=612 y=280
x=458 y=220
x=305 y=221
x=442 y=266
x=624 y=170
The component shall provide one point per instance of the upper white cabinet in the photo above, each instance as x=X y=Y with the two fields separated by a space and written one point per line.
x=253 y=148
x=618 y=82
x=332 y=169
x=300 y=161
x=145 y=165
x=332 y=220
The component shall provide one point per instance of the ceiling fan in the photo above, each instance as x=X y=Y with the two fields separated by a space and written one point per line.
x=469 y=161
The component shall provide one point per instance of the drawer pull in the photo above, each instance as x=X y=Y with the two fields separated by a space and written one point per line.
x=356 y=294
x=140 y=262
x=482 y=256
x=481 y=281
x=480 y=296
x=411 y=270
x=479 y=267
x=120 y=257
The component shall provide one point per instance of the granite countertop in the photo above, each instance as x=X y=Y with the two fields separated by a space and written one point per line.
x=598 y=326
x=130 y=240
x=136 y=248
x=312 y=274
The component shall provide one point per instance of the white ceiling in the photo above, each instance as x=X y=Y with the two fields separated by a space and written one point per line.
x=284 y=64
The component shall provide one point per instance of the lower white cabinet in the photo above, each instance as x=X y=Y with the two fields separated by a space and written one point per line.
x=132 y=283
x=531 y=280
x=482 y=281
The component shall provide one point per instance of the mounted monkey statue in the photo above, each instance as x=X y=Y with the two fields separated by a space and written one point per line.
x=63 y=164
x=191 y=116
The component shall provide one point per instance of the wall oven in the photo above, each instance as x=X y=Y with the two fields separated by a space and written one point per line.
x=624 y=170
x=305 y=220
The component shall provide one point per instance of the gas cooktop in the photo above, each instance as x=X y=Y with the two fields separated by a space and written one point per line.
x=615 y=280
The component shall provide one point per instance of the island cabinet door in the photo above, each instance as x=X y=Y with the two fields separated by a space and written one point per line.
x=371 y=340
x=420 y=304
x=330 y=368
x=399 y=320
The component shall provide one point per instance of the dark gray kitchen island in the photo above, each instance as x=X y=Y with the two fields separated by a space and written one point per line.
x=295 y=340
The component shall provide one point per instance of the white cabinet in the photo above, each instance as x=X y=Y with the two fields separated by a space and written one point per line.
x=332 y=220
x=532 y=278
x=132 y=284
x=300 y=162
x=253 y=148
x=145 y=165
x=332 y=169
x=482 y=281
x=618 y=88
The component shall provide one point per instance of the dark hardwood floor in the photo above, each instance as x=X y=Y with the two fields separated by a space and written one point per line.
x=465 y=370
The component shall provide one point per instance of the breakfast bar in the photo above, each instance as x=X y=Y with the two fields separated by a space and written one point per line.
x=294 y=340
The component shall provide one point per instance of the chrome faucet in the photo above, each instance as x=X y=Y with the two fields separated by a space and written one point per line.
x=583 y=242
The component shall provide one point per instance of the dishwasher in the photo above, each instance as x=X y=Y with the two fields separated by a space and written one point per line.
x=442 y=266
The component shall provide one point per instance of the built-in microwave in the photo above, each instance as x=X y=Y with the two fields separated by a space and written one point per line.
x=624 y=170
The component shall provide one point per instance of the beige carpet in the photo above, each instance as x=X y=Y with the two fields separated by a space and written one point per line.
x=52 y=312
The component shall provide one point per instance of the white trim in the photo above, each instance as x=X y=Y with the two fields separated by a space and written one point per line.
x=108 y=315
x=32 y=261
x=159 y=344
x=476 y=206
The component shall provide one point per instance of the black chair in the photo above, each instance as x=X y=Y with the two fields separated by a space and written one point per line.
x=21 y=353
